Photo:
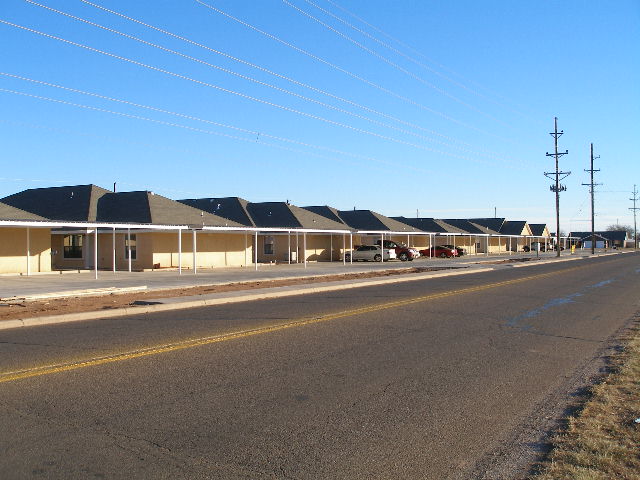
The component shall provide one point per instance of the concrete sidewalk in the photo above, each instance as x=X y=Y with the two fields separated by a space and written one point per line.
x=74 y=282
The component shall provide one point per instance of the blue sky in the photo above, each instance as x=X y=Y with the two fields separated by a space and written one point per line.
x=441 y=109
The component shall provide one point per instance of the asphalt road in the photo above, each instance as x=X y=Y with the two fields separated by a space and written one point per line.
x=455 y=377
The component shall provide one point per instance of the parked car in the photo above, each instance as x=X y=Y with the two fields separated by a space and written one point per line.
x=534 y=246
x=460 y=250
x=403 y=252
x=372 y=253
x=439 y=251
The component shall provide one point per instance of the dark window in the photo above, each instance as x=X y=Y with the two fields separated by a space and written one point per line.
x=268 y=245
x=132 y=244
x=72 y=246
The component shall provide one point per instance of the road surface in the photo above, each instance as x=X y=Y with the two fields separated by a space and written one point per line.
x=455 y=377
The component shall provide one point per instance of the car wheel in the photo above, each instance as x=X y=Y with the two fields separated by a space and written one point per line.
x=377 y=257
x=403 y=257
x=443 y=255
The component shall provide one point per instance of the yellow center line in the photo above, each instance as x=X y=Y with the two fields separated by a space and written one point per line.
x=208 y=340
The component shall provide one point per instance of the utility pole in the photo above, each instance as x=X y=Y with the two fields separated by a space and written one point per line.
x=635 y=209
x=557 y=187
x=591 y=190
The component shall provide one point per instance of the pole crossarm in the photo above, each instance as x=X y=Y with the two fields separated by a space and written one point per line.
x=557 y=175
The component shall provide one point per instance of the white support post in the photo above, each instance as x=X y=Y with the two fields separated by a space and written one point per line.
x=297 y=249
x=95 y=252
x=195 y=246
x=351 y=248
x=289 y=245
x=179 y=251
x=344 y=249
x=304 y=248
x=331 y=249
x=129 y=247
x=255 y=251
x=382 y=247
x=113 y=250
x=28 y=251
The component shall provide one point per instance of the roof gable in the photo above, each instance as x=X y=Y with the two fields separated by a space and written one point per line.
x=515 y=227
x=538 y=229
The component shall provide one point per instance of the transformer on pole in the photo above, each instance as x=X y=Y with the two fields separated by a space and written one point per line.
x=557 y=187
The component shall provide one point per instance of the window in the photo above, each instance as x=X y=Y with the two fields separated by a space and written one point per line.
x=268 y=245
x=72 y=246
x=130 y=244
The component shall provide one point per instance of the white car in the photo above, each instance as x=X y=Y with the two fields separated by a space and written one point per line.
x=370 y=253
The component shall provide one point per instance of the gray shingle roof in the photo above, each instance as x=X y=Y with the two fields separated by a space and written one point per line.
x=430 y=225
x=612 y=235
x=327 y=212
x=232 y=208
x=466 y=226
x=284 y=215
x=7 y=212
x=367 y=220
x=494 y=224
x=149 y=208
x=537 y=229
x=74 y=203
x=513 y=227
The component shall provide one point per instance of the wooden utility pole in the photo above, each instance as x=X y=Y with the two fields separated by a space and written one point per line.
x=591 y=189
x=635 y=209
x=557 y=187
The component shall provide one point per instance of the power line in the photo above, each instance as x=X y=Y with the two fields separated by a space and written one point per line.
x=352 y=75
x=270 y=72
x=394 y=65
x=177 y=125
x=244 y=77
x=420 y=54
x=239 y=94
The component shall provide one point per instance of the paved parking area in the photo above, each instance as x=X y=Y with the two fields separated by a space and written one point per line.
x=16 y=286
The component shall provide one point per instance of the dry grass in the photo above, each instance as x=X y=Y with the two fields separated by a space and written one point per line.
x=602 y=441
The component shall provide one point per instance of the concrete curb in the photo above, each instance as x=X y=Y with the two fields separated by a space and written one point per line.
x=273 y=292
x=218 y=299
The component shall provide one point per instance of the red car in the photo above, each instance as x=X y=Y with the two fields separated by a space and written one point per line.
x=439 y=251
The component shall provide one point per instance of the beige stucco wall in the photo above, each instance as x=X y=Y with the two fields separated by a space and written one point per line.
x=159 y=248
x=212 y=250
x=318 y=247
x=13 y=250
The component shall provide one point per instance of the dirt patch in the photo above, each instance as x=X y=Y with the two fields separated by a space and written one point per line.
x=58 y=306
